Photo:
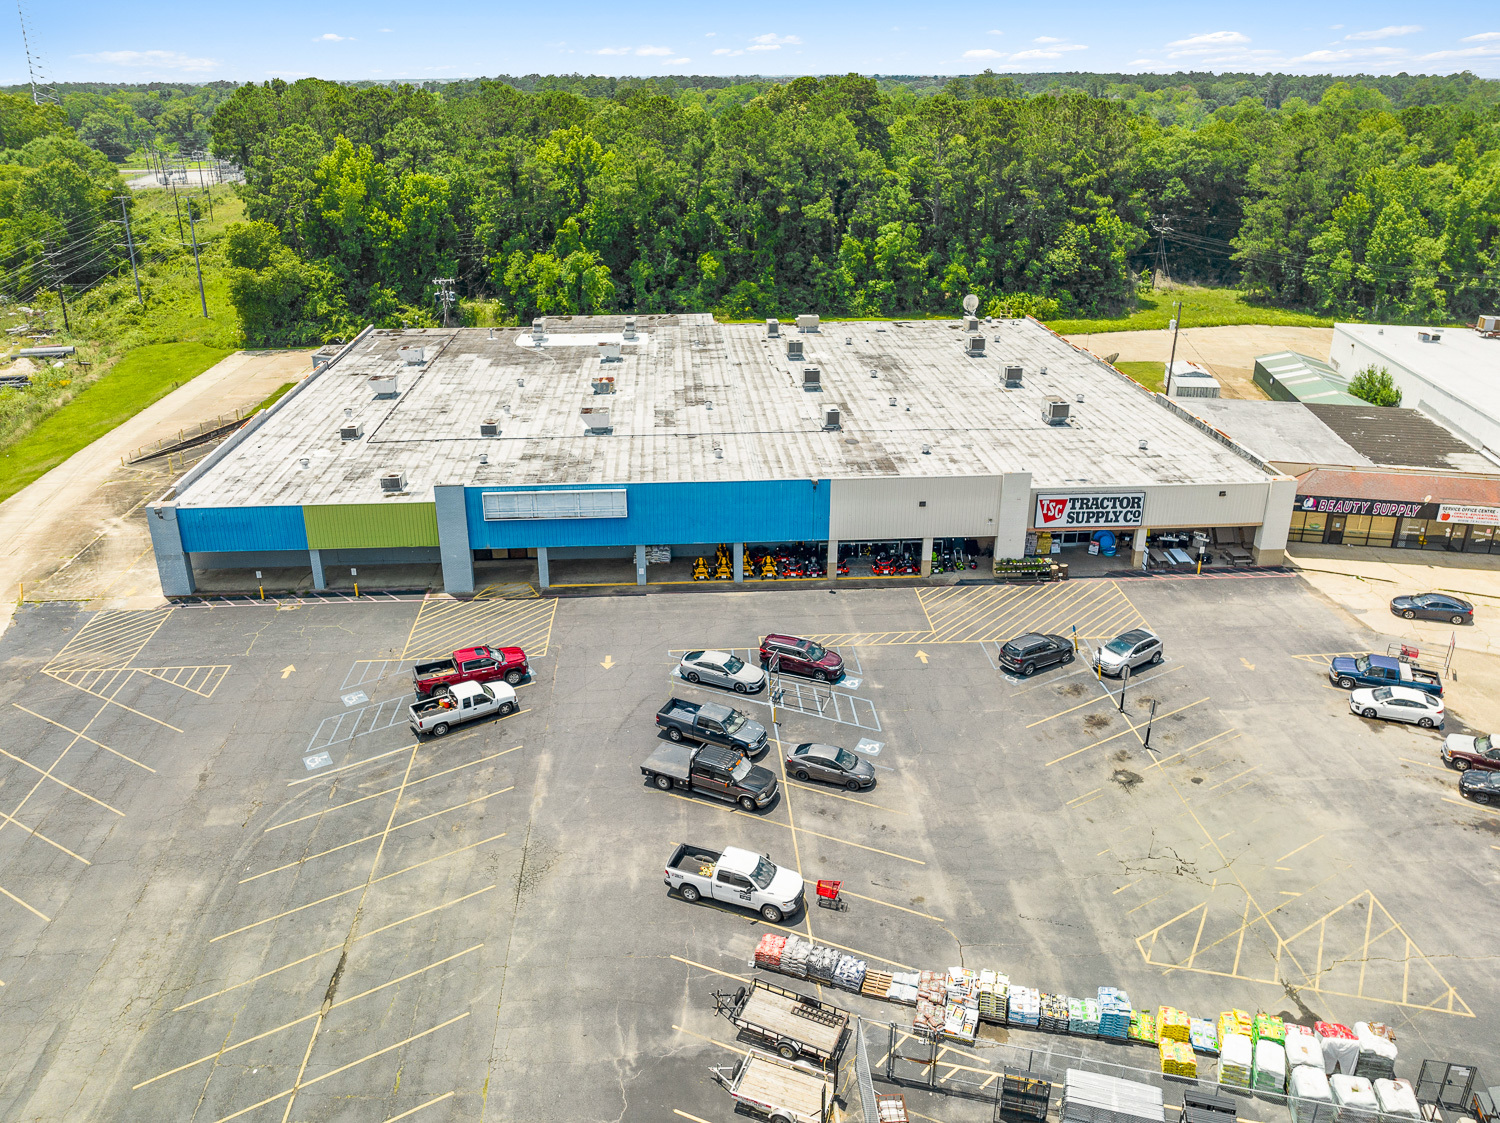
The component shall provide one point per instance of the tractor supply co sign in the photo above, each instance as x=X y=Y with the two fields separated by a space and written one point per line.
x=1475 y=516
x=1074 y=512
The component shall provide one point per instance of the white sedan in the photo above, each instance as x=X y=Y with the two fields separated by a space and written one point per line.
x=1398 y=703
x=720 y=668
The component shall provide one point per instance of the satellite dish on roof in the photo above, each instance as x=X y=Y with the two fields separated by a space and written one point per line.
x=971 y=304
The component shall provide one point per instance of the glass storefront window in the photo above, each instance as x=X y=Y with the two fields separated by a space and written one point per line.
x=1413 y=534
x=1480 y=539
x=1357 y=530
x=1382 y=530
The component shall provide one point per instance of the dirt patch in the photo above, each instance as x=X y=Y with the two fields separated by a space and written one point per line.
x=1072 y=690
x=1096 y=722
x=1126 y=779
x=1196 y=780
x=1489 y=826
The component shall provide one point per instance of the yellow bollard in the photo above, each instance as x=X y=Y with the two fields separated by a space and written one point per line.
x=1200 y=565
x=356 y=588
x=262 y=592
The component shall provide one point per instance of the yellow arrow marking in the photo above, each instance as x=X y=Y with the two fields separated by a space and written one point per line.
x=922 y=655
x=286 y=671
x=1249 y=666
x=609 y=661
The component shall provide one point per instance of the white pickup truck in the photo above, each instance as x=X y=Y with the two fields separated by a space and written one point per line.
x=463 y=701
x=736 y=877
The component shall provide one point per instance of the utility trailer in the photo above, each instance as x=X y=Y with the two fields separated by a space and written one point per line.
x=792 y=1024
x=778 y=1090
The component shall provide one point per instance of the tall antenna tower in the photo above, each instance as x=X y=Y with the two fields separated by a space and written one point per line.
x=42 y=92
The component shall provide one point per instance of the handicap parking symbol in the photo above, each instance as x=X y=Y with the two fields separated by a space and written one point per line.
x=869 y=747
x=317 y=760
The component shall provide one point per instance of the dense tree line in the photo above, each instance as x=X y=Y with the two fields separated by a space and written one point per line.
x=119 y=119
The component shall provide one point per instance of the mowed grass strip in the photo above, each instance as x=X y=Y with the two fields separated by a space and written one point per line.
x=1151 y=375
x=1201 y=308
x=140 y=378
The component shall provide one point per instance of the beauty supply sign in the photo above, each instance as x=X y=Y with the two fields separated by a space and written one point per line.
x=1380 y=508
x=1090 y=512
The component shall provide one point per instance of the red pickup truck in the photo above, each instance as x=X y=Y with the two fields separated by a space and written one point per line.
x=471 y=664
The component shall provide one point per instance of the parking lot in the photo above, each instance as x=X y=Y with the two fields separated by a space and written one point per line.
x=232 y=886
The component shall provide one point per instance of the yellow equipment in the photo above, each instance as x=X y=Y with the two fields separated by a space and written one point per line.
x=768 y=566
x=700 y=570
x=724 y=572
x=749 y=566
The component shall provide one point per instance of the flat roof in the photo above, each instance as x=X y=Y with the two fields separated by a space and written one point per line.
x=1401 y=438
x=687 y=386
x=1464 y=363
x=1282 y=431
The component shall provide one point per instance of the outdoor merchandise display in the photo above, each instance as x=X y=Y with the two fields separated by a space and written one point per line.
x=1397 y=1097
x=1114 y=1013
x=1054 y=1013
x=1203 y=1036
x=1172 y=1024
x=1308 y=1088
x=1340 y=1047
x=849 y=974
x=1178 y=1058
x=1235 y=1060
x=1089 y=1097
x=1355 y=1097
x=1269 y=1027
x=1377 y=1051
x=1303 y=1048
x=1270 y=1067
x=1142 y=1026
x=994 y=997
x=1234 y=1021
x=1025 y=1006
x=1083 y=1017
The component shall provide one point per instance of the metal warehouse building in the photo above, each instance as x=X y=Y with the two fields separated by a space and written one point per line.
x=603 y=437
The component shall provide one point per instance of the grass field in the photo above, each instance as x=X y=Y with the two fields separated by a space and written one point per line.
x=1151 y=375
x=1201 y=308
x=132 y=384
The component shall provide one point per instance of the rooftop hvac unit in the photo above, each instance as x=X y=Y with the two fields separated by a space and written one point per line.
x=1012 y=378
x=1430 y=336
x=539 y=328
x=629 y=327
x=489 y=428
x=773 y=329
x=812 y=378
x=807 y=323
x=413 y=356
x=794 y=350
x=1055 y=411
x=603 y=383
x=971 y=323
x=831 y=418
x=975 y=346
x=351 y=431
x=596 y=419
x=1487 y=325
x=384 y=385
x=393 y=481
x=609 y=353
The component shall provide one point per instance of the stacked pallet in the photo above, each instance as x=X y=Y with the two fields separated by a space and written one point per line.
x=1114 y=1013
x=1083 y=1017
x=1340 y=1047
x=1268 y=1026
x=794 y=958
x=1203 y=1036
x=1178 y=1059
x=1172 y=1024
x=1235 y=1060
x=1053 y=1014
x=877 y=984
x=821 y=964
x=1303 y=1049
x=1269 y=1076
x=849 y=974
x=904 y=987
x=933 y=986
x=1234 y=1021
x=961 y=1021
x=769 y=951
x=1307 y=1087
x=993 y=997
x=1142 y=1027
x=1354 y=1097
x=1396 y=1097
x=1091 y=1097
x=1025 y=1007
x=928 y=1017
x=1377 y=1051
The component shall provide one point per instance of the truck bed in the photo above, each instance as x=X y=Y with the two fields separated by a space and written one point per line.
x=678 y=710
x=671 y=758
x=776 y=1010
x=437 y=667
x=772 y=1082
x=693 y=858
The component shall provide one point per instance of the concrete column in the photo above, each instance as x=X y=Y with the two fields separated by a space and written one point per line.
x=640 y=565
x=173 y=565
x=833 y=559
x=1270 y=536
x=453 y=538
x=1012 y=516
x=927 y=557
x=319 y=581
x=1138 y=547
x=543 y=574
x=739 y=563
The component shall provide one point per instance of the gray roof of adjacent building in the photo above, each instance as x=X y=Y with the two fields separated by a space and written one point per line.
x=695 y=400
x=1284 y=432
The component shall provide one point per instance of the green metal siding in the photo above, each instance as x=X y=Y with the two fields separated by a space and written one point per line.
x=351 y=526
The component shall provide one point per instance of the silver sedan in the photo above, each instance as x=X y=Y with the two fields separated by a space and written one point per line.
x=720 y=668
x=1399 y=703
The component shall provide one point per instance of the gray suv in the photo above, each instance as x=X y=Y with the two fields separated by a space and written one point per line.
x=1135 y=648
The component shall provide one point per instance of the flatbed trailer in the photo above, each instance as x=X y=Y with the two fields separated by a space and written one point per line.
x=778 y=1090
x=793 y=1024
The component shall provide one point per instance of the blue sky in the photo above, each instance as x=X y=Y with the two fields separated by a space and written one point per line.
x=173 y=39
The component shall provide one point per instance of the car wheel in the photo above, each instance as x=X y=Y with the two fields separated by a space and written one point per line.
x=664 y=783
x=771 y=913
x=1457 y=619
x=691 y=676
x=1408 y=614
x=1460 y=765
x=801 y=775
x=820 y=677
x=507 y=708
x=514 y=677
x=1156 y=657
x=440 y=729
x=1480 y=797
x=746 y=803
x=689 y=893
x=1368 y=711
x=1067 y=658
x=852 y=785
x=674 y=734
x=1347 y=683
x=740 y=688
x=1028 y=670
x=787 y=1050
x=1425 y=722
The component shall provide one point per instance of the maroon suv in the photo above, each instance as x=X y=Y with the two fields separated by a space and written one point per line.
x=801 y=657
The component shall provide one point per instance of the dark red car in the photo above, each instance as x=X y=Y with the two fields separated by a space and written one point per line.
x=470 y=664
x=801 y=657
x=1464 y=752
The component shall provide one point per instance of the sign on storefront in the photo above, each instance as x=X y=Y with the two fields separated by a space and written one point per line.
x=1380 y=508
x=1073 y=512
x=1463 y=513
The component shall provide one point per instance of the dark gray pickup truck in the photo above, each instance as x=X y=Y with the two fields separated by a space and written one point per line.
x=714 y=770
x=712 y=723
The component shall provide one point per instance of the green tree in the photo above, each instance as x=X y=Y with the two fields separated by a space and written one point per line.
x=1375 y=385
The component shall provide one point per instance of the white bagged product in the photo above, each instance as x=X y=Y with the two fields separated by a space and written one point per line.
x=1396 y=1097
x=1303 y=1047
x=1308 y=1087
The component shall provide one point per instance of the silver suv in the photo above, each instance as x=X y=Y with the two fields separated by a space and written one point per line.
x=1135 y=648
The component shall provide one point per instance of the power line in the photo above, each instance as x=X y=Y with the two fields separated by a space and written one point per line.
x=42 y=92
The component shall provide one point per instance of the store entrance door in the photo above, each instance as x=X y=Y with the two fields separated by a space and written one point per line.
x=1335 y=534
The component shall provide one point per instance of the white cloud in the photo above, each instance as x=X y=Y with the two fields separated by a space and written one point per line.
x=611 y=51
x=1385 y=32
x=1344 y=54
x=654 y=51
x=710 y=35
x=333 y=37
x=1046 y=39
x=985 y=54
x=769 y=40
x=1047 y=52
x=994 y=32
x=1482 y=37
x=680 y=61
x=385 y=31
x=727 y=51
x=764 y=47
x=1486 y=51
x=292 y=73
x=1212 y=40
x=161 y=60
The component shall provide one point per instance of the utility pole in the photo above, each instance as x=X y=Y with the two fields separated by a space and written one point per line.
x=1176 y=322
x=130 y=243
x=173 y=186
x=445 y=296
x=61 y=296
x=196 y=266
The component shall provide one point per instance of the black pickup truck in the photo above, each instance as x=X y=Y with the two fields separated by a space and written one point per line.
x=714 y=770
x=712 y=723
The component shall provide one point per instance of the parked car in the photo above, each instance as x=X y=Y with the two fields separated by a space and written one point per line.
x=1482 y=786
x=1398 y=703
x=1382 y=670
x=720 y=668
x=470 y=664
x=453 y=705
x=712 y=723
x=1434 y=606
x=1132 y=649
x=830 y=763
x=1462 y=752
x=721 y=772
x=801 y=657
x=736 y=877
x=1029 y=653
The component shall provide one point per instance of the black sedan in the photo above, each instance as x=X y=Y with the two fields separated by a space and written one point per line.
x=1434 y=606
x=1025 y=655
x=1481 y=785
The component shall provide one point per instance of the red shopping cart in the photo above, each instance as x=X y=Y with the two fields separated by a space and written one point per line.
x=828 y=895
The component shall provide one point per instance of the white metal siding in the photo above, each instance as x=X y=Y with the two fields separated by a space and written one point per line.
x=1189 y=505
x=890 y=507
x=1351 y=354
x=597 y=504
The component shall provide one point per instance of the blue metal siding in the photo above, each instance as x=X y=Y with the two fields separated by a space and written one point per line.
x=233 y=529
x=667 y=513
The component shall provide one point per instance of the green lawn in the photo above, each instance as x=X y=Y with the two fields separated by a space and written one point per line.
x=140 y=378
x=1151 y=375
x=274 y=398
x=1201 y=308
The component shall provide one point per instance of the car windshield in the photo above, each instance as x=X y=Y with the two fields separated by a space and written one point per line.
x=1120 y=645
x=846 y=760
x=734 y=665
x=736 y=719
x=1482 y=743
x=1381 y=694
x=1362 y=664
x=764 y=872
x=740 y=771
x=814 y=652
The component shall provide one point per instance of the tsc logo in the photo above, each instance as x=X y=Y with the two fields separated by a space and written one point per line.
x=1053 y=510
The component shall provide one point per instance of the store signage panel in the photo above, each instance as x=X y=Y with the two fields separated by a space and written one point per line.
x=1075 y=512
x=1381 y=508
x=1463 y=513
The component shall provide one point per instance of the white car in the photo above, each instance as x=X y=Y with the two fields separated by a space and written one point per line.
x=1135 y=648
x=720 y=668
x=1399 y=703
